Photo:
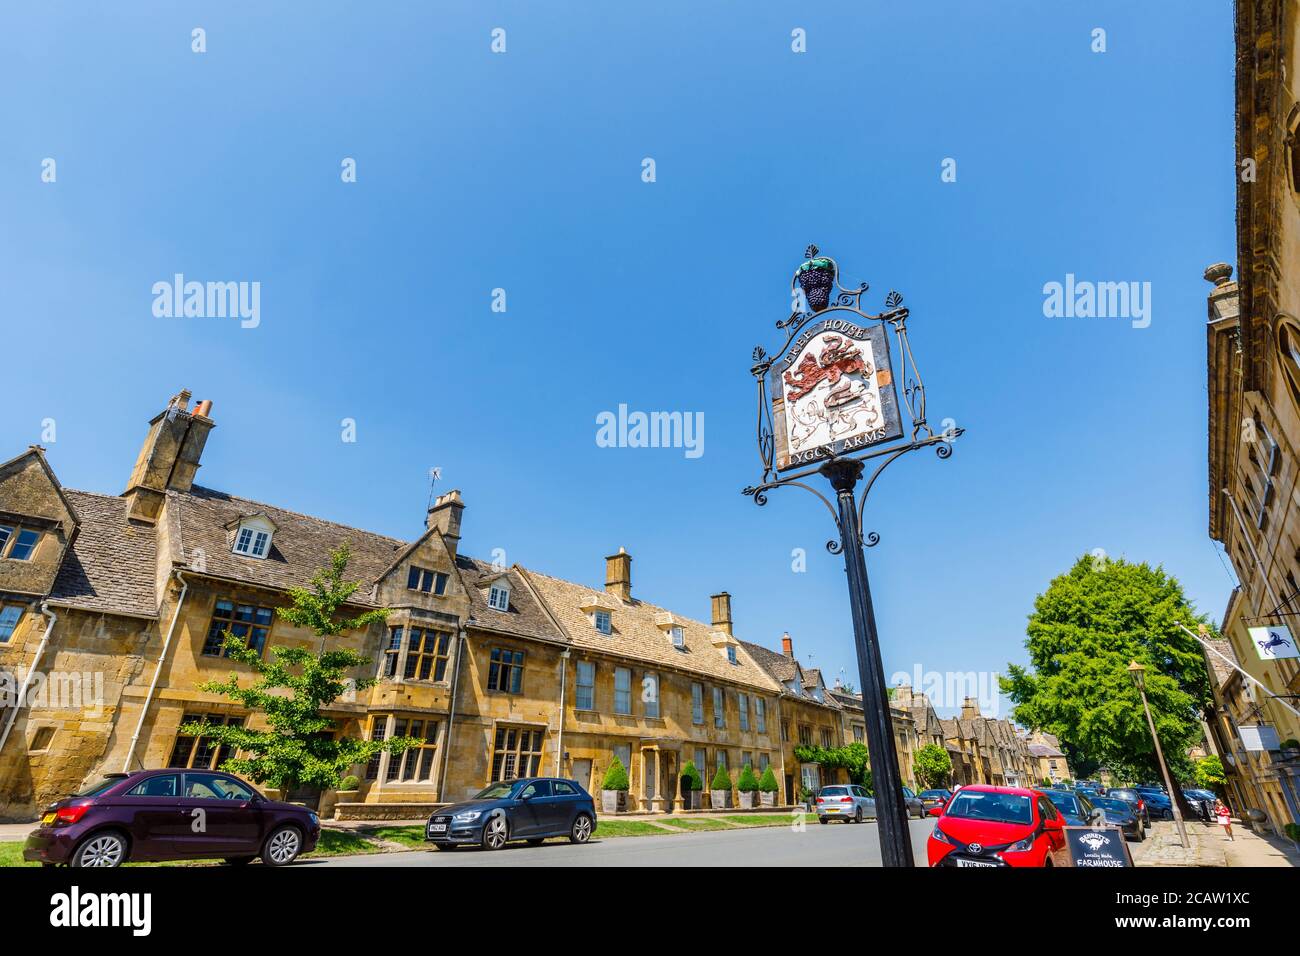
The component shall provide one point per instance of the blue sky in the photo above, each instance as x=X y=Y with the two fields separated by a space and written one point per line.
x=522 y=171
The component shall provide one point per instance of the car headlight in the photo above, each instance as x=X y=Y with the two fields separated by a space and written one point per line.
x=315 y=820
x=942 y=837
x=467 y=816
x=1023 y=846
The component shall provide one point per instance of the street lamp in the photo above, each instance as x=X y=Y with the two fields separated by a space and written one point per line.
x=1139 y=674
x=828 y=404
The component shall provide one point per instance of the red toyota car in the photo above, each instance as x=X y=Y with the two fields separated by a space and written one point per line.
x=997 y=826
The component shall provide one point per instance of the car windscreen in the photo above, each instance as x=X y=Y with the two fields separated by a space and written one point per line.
x=1118 y=806
x=834 y=792
x=497 y=791
x=1130 y=795
x=1065 y=802
x=996 y=807
x=941 y=794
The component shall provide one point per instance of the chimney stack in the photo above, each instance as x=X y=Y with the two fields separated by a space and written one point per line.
x=618 y=575
x=903 y=695
x=721 y=612
x=787 y=645
x=169 y=458
x=970 y=709
x=445 y=516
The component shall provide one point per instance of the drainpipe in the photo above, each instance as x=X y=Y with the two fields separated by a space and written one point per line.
x=157 y=672
x=559 y=741
x=31 y=671
x=451 y=717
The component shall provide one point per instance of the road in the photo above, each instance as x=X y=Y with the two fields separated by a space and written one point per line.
x=836 y=844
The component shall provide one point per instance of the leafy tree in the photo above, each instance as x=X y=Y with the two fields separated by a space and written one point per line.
x=1208 y=774
x=1086 y=628
x=298 y=747
x=721 y=780
x=615 y=777
x=691 y=776
x=767 y=783
x=932 y=766
x=748 y=782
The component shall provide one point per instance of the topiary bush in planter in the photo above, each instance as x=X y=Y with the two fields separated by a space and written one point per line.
x=692 y=784
x=720 y=793
x=350 y=784
x=768 y=787
x=613 y=791
x=748 y=786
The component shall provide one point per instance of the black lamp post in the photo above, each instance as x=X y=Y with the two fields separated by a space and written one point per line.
x=828 y=404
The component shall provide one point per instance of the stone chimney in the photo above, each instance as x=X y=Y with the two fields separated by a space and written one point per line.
x=169 y=458
x=903 y=695
x=445 y=516
x=787 y=645
x=970 y=709
x=721 y=611
x=618 y=575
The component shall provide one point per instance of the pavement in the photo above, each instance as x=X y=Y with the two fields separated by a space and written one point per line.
x=1209 y=846
x=814 y=845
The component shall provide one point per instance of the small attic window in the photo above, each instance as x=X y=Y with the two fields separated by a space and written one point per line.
x=252 y=542
x=678 y=637
x=603 y=621
x=731 y=654
x=499 y=596
x=251 y=535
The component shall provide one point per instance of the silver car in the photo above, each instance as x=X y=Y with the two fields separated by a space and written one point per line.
x=848 y=802
x=914 y=804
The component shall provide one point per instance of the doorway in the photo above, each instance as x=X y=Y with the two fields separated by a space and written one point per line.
x=582 y=773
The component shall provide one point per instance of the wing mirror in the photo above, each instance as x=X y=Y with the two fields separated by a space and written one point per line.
x=937 y=811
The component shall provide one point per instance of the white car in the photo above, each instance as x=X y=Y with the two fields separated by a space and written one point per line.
x=848 y=802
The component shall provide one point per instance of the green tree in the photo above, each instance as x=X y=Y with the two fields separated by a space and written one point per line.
x=721 y=780
x=767 y=783
x=298 y=747
x=748 y=780
x=1086 y=628
x=615 y=777
x=932 y=766
x=691 y=777
x=1208 y=774
x=852 y=759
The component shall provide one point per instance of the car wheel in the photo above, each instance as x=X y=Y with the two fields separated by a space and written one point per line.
x=101 y=849
x=239 y=860
x=495 y=833
x=1141 y=835
x=581 y=831
x=857 y=815
x=282 y=847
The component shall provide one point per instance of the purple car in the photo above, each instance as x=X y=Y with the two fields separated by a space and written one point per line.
x=171 y=815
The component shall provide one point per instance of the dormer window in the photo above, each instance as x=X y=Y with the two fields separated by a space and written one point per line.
x=426 y=581
x=726 y=645
x=499 y=596
x=731 y=654
x=600 y=612
x=672 y=629
x=251 y=535
x=678 y=637
x=603 y=621
x=17 y=544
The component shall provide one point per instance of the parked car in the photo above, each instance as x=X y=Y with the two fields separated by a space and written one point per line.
x=934 y=798
x=1202 y=801
x=1122 y=814
x=997 y=826
x=150 y=815
x=1158 y=803
x=530 y=808
x=1134 y=799
x=914 y=804
x=1077 y=809
x=847 y=802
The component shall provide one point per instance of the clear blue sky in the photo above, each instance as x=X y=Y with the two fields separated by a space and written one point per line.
x=523 y=171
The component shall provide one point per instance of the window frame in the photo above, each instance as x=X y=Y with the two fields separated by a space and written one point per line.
x=530 y=759
x=651 y=709
x=235 y=603
x=719 y=708
x=742 y=708
x=18 y=539
x=5 y=608
x=499 y=597
x=621 y=693
x=697 y=703
x=603 y=621
x=505 y=663
x=589 y=686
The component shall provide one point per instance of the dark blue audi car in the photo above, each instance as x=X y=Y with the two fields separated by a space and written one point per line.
x=531 y=808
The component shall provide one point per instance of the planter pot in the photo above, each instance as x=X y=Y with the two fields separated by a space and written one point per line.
x=769 y=799
x=346 y=796
x=719 y=799
x=747 y=800
x=692 y=799
x=613 y=801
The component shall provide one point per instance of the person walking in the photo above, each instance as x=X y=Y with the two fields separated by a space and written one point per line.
x=1225 y=820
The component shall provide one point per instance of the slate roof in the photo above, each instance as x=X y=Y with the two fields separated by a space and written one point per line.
x=1042 y=750
x=784 y=669
x=525 y=617
x=301 y=544
x=636 y=636
x=112 y=561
